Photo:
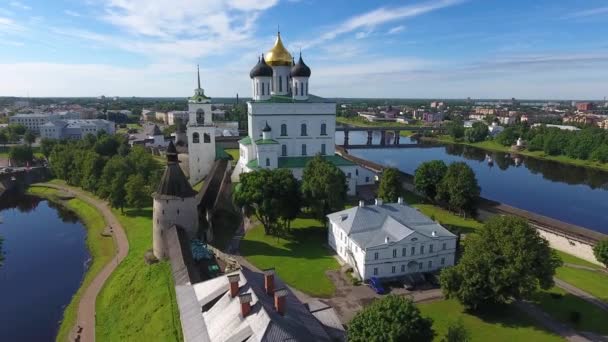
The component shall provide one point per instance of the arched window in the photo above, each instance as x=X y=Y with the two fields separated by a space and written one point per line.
x=268 y=88
x=257 y=88
x=323 y=129
x=200 y=117
x=267 y=161
x=301 y=89
x=280 y=83
x=303 y=130
x=283 y=130
x=195 y=138
x=296 y=88
x=284 y=150
x=306 y=88
x=206 y=138
x=263 y=88
x=303 y=149
x=323 y=149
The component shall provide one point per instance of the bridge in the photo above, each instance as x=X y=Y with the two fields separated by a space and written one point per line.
x=385 y=131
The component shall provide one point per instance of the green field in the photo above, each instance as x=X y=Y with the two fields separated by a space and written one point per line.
x=300 y=259
x=571 y=259
x=138 y=301
x=506 y=324
x=593 y=282
x=101 y=248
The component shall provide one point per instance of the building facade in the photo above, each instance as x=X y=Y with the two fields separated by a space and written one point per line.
x=75 y=129
x=390 y=240
x=287 y=125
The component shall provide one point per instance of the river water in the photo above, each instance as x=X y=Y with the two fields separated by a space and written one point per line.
x=45 y=260
x=568 y=193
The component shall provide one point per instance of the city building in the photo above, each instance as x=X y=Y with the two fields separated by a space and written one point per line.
x=389 y=240
x=494 y=129
x=287 y=125
x=152 y=136
x=182 y=115
x=584 y=106
x=437 y=104
x=31 y=121
x=433 y=117
x=161 y=117
x=75 y=129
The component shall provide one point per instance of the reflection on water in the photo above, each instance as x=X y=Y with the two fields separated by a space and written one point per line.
x=44 y=265
x=569 y=193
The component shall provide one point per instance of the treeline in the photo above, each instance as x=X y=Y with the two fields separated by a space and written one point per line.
x=589 y=143
x=106 y=166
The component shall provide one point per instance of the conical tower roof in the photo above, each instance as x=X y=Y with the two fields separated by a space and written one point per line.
x=173 y=182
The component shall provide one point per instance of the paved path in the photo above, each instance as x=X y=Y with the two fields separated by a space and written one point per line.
x=548 y=322
x=588 y=268
x=84 y=328
x=581 y=294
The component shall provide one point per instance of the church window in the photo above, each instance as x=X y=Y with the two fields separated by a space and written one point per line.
x=303 y=149
x=323 y=149
x=206 y=138
x=303 y=130
x=323 y=129
x=177 y=211
x=284 y=150
x=306 y=88
x=267 y=161
x=268 y=88
x=296 y=88
x=280 y=83
x=283 y=130
x=200 y=117
x=301 y=89
x=263 y=89
x=357 y=171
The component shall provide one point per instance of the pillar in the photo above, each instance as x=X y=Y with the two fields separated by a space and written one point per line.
x=369 y=138
x=345 y=138
x=397 y=138
x=382 y=138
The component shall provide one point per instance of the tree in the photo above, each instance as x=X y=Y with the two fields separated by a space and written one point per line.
x=427 y=177
x=138 y=194
x=3 y=137
x=21 y=154
x=18 y=129
x=459 y=188
x=29 y=137
x=600 y=154
x=46 y=146
x=392 y=318
x=323 y=187
x=456 y=129
x=457 y=332
x=600 y=250
x=506 y=260
x=390 y=188
x=477 y=133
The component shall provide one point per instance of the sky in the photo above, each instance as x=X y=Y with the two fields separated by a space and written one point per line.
x=436 y=49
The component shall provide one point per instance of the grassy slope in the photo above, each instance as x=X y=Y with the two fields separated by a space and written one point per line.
x=300 y=260
x=138 y=302
x=571 y=259
x=101 y=248
x=507 y=325
x=594 y=282
x=198 y=185
x=235 y=153
x=494 y=146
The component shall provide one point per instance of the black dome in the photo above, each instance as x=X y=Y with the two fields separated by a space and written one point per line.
x=300 y=69
x=261 y=69
x=266 y=128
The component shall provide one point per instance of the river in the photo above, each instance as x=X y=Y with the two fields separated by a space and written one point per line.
x=568 y=193
x=45 y=261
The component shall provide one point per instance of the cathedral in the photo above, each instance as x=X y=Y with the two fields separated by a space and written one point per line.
x=287 y=125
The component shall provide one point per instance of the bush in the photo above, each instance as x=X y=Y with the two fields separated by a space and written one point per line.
x=574 y=317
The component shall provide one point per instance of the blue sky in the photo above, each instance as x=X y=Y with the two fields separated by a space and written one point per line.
x=555 y=49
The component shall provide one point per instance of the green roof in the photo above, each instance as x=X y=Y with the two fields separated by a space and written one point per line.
x=300 y=162
x=245 y=141
x=253 y=164
x=220 y=153
x=266 y=142
x=289 y=99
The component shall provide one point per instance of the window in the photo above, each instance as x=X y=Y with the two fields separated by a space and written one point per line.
x=357 y=171
x=323 y=129
x=284 y=150
x=443 y=261
x=430 y=248
x=403 y=251
x=413 y=251
x=376 y=256
x=306 y=88
x=280 y=83
x=393 y=269
x=348 y=175
x=430 y=264
x=206 y=138
x=296 y=88
x=394 y=253
x=283 y=130
x=323 y=149
x=177 y=211
x=366 y=179
x=303 y=149
x=268 y=88
x=267 y=161
x=402 y=268
x=422 y=249
x=301 y=89
x=443 y=247
x=195 y=138
x=419 y=265
x=263 y=89
x=303 y=130
x=375 y=270
x=257 y=88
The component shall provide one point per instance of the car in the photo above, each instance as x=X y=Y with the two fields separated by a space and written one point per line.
x=376 y=285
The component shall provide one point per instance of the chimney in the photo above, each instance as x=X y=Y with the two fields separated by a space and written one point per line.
x=280 y=301
x=378 y=201
x=233 y=281
x=269 y=281
x=361 y=204
x=245 y=300
x=400 y=200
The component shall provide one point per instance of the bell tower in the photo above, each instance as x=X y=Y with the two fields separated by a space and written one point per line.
x=201 y=134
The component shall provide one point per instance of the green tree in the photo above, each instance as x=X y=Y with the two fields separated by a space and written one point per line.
x=138 y=193
x=107 y=145
x=457 y=332
x=18 y=129
x=21 y=154
x=506 y=260
x=46 y=146
x=390 y=319
x=456 y=129
x=390 y=188
x=477 y=133
x=459 y=188
x=600 y=154
x=29 y=137
x=427 y=176
x=600 y=250
x=323 y=187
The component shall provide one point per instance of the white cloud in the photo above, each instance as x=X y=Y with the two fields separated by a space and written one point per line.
x=72 y=13
x=590 y=12
x=396 y=29
x=8 y=25
x=19 y=5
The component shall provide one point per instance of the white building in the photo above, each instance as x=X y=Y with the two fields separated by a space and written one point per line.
x=75 y=129
x=390 y=240
x=182 y=115
x=495 y=129
x=288 y=125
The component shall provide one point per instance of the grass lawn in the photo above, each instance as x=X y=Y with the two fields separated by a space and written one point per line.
x=594 y=282
x=361 y=122
x=506 y=324
x=198 y=185
x=234 y=153
x=101 y=248
x=300 y=259
x=559 y=304
x=571 y=259
x=138 y=301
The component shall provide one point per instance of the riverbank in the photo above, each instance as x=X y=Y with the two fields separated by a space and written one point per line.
x=101 y=248
x=491 y=145
x=360 y=122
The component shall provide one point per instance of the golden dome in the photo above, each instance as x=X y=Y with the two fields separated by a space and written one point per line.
x=278 y=55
